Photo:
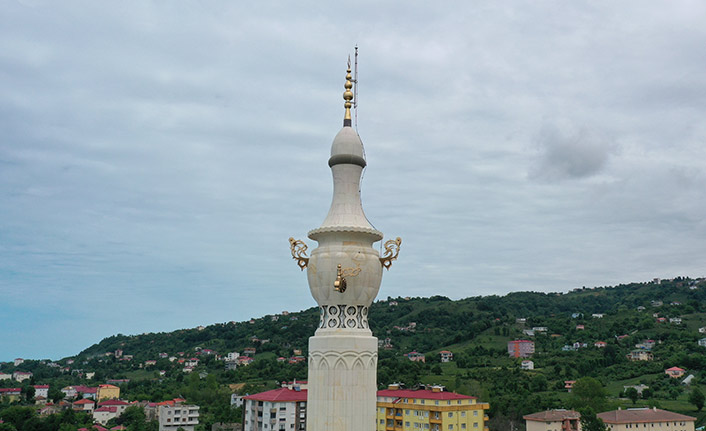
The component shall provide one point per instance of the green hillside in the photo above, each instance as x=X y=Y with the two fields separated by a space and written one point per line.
x=475 y=329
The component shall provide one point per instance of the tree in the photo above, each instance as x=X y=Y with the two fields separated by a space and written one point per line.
x=591 y=422
x=632 y=394
x=588 y=392
x=696 y=397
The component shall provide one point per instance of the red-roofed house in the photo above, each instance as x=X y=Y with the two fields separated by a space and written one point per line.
x=103 y=414
x=283 y=405
x=646 y=418
x=674 y=372
x=84 y=405
x=446 y=356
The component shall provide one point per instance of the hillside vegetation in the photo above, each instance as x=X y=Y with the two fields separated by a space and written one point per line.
x=475 y=329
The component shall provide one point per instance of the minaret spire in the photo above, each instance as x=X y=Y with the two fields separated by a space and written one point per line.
x=344 y=273
x=348 y=95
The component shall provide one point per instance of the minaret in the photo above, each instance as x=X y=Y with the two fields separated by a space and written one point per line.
x=344 y=274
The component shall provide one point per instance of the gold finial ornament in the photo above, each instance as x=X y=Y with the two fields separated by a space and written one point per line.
x=348 y=95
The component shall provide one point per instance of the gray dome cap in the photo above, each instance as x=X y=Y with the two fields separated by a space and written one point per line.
x=347 y=148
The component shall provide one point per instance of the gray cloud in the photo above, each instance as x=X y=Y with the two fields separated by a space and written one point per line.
x=566 y=154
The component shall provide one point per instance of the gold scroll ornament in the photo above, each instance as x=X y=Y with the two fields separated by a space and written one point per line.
x=392 y=250
x=298 y=249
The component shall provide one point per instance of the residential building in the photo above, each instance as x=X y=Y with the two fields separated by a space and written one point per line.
x=600 y=344
x=446 y=356
x=5 y=376
x=119 y=405
x=432 y=409
x=540 y=329
x=69 y=392
x=20 y=376
x=647 y=418
x=84 y=405
x=41 y=391
x=10 y=394
x=640 y=355
x=520 y=348
x=528 y=332
x=597 y=315
x=18 y=362
x=702 y=342
x=569 y=385
x=527 y=365
x=554 y=420
x=107 y=392
x=249 y=351
x=173 y=417
x=675 y=320
x=103 y=414
x=702 y=330
x=674 y=372
x=415 y=356
x=279 y=409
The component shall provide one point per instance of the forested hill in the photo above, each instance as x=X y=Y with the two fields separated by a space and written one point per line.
x=586 y=333
x=439 y=322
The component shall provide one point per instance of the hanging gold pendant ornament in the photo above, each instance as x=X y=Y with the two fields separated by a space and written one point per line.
x=340 y=284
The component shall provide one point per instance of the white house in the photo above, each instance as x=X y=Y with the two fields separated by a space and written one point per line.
x=4 y=376
x=675 y=320
x=18 y=361
x=597 y=315
x=20 y=376
x=527 y=365
x=41 y=391
x=702 y=342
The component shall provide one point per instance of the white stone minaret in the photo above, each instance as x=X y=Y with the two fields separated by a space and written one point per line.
x=344 y=274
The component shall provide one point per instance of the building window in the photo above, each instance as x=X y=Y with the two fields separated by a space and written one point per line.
x=382 y=421
x=463 y=414
x=406 y=424
x=451 y=414
x=436 y=402
x=463 y=426
x=451 y=427
x=475 y=424
x=406 y=412
x=475 y=412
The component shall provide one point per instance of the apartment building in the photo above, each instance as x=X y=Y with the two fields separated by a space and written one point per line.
x=520 y=348
x=431 y=409
x=282 y=409
x=175 y=416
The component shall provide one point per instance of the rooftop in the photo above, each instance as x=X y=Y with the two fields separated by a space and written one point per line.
x=423 y=394
x=642 y=415
x=552 y=415
x=279 y=395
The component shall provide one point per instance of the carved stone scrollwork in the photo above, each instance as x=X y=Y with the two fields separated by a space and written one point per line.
x=298 y=249
x=392 y=250
x=343 y=316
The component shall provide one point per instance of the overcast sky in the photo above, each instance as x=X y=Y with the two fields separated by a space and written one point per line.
x=156 y=156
